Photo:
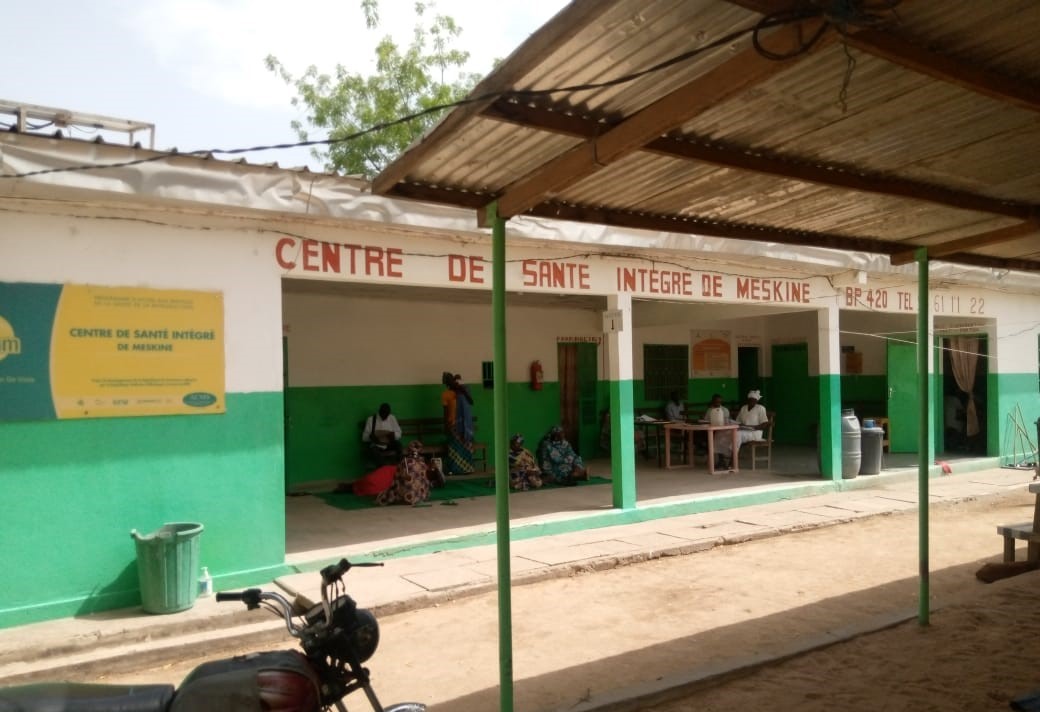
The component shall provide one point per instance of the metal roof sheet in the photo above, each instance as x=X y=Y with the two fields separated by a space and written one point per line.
x=920 y=128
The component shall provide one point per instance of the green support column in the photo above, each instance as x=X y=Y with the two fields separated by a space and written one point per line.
x=924 y=447
x=830 y=426
x=505 y=578
x=623 y=447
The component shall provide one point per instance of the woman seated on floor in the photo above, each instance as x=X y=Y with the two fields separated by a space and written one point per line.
x=524 y=473
x=558 y=460
x=411 y=484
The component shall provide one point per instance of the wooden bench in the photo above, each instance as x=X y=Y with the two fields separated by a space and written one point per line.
x=430 y=432
x=1025 y=531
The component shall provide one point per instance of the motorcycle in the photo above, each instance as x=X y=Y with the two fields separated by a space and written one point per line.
x=336 y=636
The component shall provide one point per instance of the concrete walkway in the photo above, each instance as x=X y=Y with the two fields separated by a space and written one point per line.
x=106 y=641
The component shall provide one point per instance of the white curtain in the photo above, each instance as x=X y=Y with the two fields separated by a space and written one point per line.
x=964 y=356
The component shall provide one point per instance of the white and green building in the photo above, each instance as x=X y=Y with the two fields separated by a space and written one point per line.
x=189 y=339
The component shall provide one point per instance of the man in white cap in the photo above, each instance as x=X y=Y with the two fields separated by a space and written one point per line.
x=751 y=417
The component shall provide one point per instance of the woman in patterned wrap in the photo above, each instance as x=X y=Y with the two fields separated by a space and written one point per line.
x=524 y=473
x=458 y=424
x=558 y=460
x=411 y=484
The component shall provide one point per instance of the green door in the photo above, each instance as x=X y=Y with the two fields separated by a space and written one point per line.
x=588 y=378
x=791 y=395
x=903 y=399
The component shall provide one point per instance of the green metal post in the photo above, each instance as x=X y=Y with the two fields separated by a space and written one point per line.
x=505 y=602
x=924 y=351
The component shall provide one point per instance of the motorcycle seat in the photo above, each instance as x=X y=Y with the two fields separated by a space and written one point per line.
x=85 y=697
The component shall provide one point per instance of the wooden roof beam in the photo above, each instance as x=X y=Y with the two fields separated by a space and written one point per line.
x=693 y=225
x=794 y=168
x=745 y=70
x=994 y=237
x=973 y=78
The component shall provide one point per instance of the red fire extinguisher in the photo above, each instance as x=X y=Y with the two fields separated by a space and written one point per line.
x=536 y=375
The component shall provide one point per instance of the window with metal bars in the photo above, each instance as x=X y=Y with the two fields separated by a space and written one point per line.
x=665 y=369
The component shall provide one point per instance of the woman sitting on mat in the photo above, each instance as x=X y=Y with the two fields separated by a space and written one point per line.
x=558 y=460
x=457 y=404
x=524 y=473
x=411 y=485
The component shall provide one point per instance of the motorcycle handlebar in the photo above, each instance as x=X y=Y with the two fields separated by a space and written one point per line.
x=331 y=574
x=251 y=597
x=334 y=573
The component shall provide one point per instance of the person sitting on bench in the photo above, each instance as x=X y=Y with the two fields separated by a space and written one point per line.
x=382 y=434
x=751 y=418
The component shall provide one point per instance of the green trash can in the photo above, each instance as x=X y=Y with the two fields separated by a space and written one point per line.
x=168 y=567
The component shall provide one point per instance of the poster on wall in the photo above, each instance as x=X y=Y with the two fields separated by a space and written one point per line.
x=710 y=354
x=81 y=351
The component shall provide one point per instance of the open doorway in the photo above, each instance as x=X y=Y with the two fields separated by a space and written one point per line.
x=965 y=396
x=748 y=376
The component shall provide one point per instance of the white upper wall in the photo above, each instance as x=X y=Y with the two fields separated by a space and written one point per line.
x=340 y=340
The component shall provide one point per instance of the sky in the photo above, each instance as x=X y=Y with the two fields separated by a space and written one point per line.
x=195 y=68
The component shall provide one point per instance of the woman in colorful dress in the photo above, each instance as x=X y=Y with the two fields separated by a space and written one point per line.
x=457 y=404
x=558 y=460
x=524 y=473
x=411 y=485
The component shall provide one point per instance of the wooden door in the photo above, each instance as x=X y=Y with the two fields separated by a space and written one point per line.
x=579 y=377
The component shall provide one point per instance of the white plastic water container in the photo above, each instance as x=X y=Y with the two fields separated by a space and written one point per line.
x=205 y=583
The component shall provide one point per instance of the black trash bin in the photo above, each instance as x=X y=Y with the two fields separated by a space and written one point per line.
x=871 y=439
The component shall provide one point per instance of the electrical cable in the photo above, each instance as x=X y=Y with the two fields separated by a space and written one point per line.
x=764 y=23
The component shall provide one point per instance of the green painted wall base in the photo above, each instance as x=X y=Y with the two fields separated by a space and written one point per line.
x=623 y=451
x=130 y=598
x=75 y=489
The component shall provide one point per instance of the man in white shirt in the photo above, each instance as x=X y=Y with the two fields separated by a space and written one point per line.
x=751 y=417
x=716 y=414
x=382 y=433
x=673 y=409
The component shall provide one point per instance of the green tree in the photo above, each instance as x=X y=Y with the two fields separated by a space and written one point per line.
x=407 y=80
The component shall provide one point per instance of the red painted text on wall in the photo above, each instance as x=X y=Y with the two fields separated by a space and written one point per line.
x=654 y=281
x=559 y=275
x=335 y=258
x=772 y=290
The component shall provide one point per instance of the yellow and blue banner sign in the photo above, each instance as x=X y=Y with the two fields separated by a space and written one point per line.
x=80 y=351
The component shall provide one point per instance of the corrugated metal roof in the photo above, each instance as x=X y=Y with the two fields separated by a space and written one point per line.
x=917 y=131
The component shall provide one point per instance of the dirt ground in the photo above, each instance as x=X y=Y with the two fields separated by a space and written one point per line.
x=672 y=619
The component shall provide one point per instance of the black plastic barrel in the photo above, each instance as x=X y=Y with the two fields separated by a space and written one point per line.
x=851 y=452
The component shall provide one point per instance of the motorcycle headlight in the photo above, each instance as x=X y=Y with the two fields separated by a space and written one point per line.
x=364 y=634
x=352 y=629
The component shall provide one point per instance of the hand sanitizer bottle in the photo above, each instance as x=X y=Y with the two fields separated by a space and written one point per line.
x=205 y=583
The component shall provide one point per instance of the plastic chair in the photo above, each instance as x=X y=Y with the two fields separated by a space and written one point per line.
x=766 y=443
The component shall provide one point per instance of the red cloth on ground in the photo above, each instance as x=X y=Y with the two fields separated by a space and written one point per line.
x=376 y=481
